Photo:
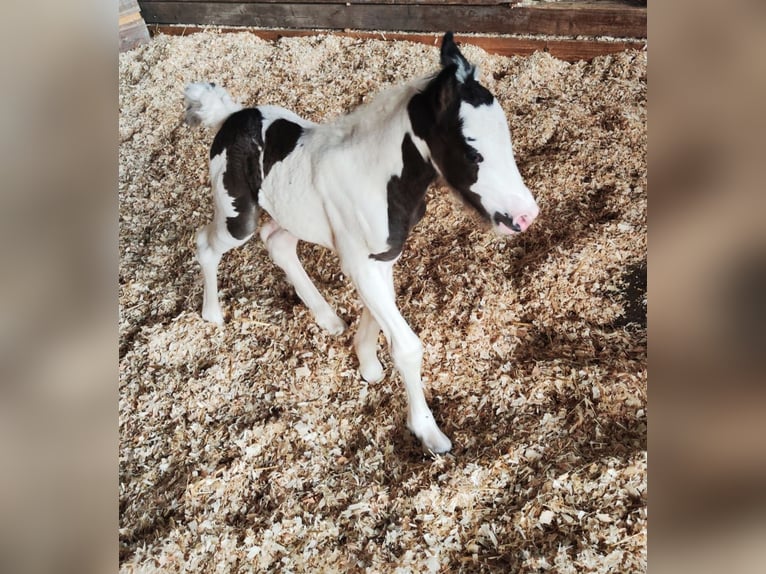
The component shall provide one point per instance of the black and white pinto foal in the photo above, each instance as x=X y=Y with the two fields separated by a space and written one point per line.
x=357 y=186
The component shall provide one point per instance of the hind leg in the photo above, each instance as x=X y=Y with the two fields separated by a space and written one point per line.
x=282 y=250
x=366 y=345
x=234 y=222
x=213 y=240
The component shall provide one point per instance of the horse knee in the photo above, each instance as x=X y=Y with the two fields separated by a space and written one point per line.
x=407 y=353
x=206 y=254
x=282 y=247
x=213 y=240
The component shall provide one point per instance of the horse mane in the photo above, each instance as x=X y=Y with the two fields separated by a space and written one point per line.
x=380 y=114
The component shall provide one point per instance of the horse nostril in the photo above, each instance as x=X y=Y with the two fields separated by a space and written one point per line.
x=524 y=220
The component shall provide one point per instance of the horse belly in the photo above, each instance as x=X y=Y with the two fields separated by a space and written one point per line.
x=288 y=195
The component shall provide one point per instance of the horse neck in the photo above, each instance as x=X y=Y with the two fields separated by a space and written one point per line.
x=382 y=124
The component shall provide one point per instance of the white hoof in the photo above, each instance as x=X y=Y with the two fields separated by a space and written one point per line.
x=433 y=439
x=372 y=371
x=331 y=323
x=213 y=316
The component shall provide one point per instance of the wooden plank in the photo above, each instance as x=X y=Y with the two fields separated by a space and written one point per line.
x=568 y=50
x=362 y=2
x=132 y=28
x=559 y=18
x=454 y=2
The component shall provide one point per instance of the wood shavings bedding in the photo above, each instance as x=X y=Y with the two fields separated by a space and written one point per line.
x=258 y=447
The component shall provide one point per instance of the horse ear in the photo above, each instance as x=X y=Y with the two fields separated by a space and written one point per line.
x=451 y=56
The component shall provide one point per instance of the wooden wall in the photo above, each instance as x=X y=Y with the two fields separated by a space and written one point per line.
x=506 y=27
x=132 y=27
x=616 y=18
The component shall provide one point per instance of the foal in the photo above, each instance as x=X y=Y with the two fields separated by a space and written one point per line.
x=357 y=186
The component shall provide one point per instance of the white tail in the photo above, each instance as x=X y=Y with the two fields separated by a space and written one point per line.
x=208 y=104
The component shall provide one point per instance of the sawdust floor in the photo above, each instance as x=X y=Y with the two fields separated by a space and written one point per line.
x=258 y=446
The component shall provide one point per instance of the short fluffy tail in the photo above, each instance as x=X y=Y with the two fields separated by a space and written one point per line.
x=208 y=105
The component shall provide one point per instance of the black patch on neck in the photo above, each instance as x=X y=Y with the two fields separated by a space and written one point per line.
x=240 y=137
x=406 y=198
x=281 y=138
x=435 y=117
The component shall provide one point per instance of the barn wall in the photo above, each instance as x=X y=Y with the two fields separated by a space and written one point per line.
x=624 y=18
x=132 y=27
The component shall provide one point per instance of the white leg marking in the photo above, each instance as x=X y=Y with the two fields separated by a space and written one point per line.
x=366 y=345
x=282 y=250
x=374 y=281
x=213 y=240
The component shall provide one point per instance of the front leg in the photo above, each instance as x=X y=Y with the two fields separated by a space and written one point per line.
x=374 y=282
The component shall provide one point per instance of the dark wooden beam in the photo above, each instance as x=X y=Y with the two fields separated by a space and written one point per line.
x=388 y=2
x=568 y=50
x=593 y=18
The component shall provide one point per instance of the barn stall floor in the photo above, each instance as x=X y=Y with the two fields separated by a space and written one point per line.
x=258 y=447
